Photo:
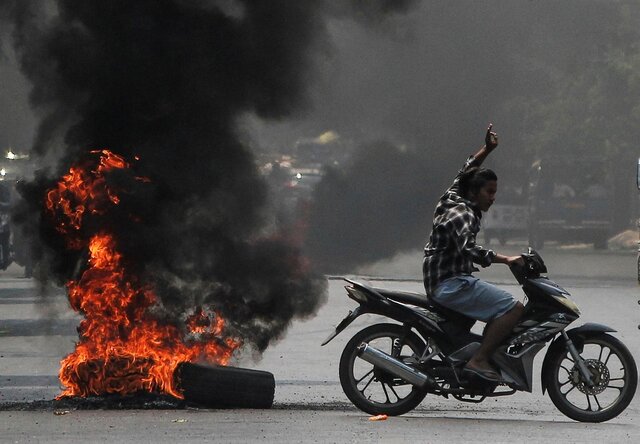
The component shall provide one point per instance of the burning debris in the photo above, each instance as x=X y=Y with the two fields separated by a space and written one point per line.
x=123 y=349
x=176 y=264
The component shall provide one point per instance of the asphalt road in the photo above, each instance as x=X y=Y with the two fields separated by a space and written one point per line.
x=37 y=331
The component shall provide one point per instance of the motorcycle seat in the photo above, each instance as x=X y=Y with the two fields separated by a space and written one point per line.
x=421 y=300
x=406 y=297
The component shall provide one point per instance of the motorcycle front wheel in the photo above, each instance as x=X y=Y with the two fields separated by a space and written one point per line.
x=371 y=389
x=613 y=372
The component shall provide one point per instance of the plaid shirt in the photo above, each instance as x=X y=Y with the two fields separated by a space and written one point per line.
x=452 y=249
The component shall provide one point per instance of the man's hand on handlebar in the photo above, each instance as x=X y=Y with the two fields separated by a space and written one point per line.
x=515 y=260
x=509 y=260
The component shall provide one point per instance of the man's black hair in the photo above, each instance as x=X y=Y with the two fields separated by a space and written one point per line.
x=475 y=178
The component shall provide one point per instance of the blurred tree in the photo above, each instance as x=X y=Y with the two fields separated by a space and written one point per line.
x=559 y=80
x=593 y=112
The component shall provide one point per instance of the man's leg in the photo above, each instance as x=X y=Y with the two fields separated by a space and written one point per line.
x=497 y=330
x=486 y=302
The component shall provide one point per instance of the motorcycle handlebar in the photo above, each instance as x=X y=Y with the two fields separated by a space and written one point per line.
x=532 y=268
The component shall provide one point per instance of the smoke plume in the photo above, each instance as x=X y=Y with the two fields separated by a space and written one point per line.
x=449 y=69
x=164 y=81
x=349 y=226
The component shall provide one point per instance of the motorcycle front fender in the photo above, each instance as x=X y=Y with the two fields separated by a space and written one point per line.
x=587 y=329
x=577 y=336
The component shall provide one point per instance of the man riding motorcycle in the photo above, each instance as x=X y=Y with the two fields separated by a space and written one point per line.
x=452 y=251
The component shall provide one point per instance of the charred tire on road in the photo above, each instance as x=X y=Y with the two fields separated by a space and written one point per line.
x=225 y=387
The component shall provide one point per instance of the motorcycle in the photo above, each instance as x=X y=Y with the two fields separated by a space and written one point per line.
x=389 y=368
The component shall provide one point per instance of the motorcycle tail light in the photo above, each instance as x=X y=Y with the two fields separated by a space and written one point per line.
x=356 y=294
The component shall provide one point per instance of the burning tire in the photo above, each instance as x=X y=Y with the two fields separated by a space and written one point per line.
x=225 y=387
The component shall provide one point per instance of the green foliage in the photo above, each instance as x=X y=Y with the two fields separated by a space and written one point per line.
x=594 y=111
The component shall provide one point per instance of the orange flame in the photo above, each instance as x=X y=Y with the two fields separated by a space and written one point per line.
x=122 y=349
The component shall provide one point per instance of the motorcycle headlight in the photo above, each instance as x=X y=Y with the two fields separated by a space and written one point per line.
x=568 y=303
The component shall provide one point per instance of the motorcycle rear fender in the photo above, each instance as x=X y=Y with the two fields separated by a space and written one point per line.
x=389 y=309
x=577 y=335
x=345 y=323
x=377 y=304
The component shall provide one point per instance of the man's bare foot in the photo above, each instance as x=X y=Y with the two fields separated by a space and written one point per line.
x=483 y=370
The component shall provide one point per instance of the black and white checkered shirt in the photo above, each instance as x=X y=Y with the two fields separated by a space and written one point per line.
x=452 y=248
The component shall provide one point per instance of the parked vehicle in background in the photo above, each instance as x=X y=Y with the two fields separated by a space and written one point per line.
x=507 y=218
x=570 y=201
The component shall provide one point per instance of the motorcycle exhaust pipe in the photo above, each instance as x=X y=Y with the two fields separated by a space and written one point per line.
x=395 y=367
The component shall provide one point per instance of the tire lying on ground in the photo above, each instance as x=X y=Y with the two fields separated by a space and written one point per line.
x=225 y=387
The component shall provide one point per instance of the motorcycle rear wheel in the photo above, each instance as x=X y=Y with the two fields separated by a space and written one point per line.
x=613 y=371
x=368 y=387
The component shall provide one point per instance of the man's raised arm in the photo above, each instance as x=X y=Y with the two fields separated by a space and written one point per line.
x=490 y=143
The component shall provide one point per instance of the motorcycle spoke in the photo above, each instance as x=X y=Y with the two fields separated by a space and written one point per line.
x=588 y=403
x=386 y=394
x=366 y=374
x=566 y=370
x=565 y=383
x=394 y=392
x=608 y=356
x=367 y=384
x=616 y=387
x=568 y=391
x=597 y=402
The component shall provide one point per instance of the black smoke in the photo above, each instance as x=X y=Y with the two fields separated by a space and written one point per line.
x=449 y=70
x=166 y=80
x=371 y=208
x=371 y=12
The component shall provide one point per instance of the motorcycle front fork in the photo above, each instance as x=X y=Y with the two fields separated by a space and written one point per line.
x=582 y=367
